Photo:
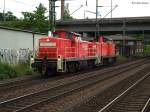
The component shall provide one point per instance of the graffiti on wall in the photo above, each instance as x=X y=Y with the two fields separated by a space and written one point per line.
x=13 y=56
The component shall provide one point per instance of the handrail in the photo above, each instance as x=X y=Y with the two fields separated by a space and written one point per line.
x=71 y=52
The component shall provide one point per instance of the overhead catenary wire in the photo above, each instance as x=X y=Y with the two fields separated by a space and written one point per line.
x=16 y=9
x=76 y=10
x=84 y=3
x=4 y=5
x=23 y=3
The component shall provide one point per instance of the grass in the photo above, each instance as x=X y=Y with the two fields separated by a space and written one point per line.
x=121 y=58
x=147 y=50
x=10 y=71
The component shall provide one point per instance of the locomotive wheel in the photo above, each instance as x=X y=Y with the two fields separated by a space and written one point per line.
x=71 y=67
x=77 y=66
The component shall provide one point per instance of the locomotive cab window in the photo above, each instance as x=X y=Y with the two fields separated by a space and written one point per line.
x=107 y=40
x=69 y=36
x=56 y=35
x=79 y=37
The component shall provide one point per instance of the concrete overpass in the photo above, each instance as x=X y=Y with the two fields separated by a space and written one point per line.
x=131 y=25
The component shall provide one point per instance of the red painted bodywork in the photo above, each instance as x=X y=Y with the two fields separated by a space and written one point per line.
x=70 y=45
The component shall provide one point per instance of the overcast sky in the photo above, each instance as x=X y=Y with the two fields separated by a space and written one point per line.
x=126 y=8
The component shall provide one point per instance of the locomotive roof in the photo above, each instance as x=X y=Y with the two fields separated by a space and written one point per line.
x=77 y=34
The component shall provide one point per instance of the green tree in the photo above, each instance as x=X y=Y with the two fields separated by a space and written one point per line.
x=10 y=20
x=8 y=16
x=40 y=20
x=1 y=16
x=36 y=21
x=28 y=20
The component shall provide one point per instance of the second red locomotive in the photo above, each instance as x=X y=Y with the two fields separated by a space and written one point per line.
x=67 y=52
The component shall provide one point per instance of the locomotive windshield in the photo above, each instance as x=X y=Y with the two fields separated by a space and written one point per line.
x=69 y=35
x=55 y=35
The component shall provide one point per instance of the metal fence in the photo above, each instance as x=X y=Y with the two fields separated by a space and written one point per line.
x=13 y=56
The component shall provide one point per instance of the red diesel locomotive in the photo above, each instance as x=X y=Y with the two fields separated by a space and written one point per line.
x=67 y=52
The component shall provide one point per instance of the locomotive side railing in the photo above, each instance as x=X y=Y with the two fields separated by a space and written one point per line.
x=69 y=52
x=92 y=52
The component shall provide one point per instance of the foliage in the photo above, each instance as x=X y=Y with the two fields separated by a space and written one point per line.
x=34 y=21
x=28 y=20
x=67 y=16
x=13 y=24
x=147 y=49
x=6 y=71
x=8 y=16
x=40 y=19
x=139 y=36
x=1 y=17
x=121 y=58
x=9 y=71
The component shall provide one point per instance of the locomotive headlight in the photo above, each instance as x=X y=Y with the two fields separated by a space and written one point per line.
x=32 y=60
x=59 y=59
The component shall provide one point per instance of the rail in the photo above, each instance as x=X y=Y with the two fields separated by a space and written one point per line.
x=20 y=104
x=123 y=93
x=146 y=106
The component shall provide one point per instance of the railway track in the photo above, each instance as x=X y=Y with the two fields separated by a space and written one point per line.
x=26 y=81
x=6 y=85
x=29 y=101
x=22 y=81
x=35 y=85
x=136 y=98
x=13 y=82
